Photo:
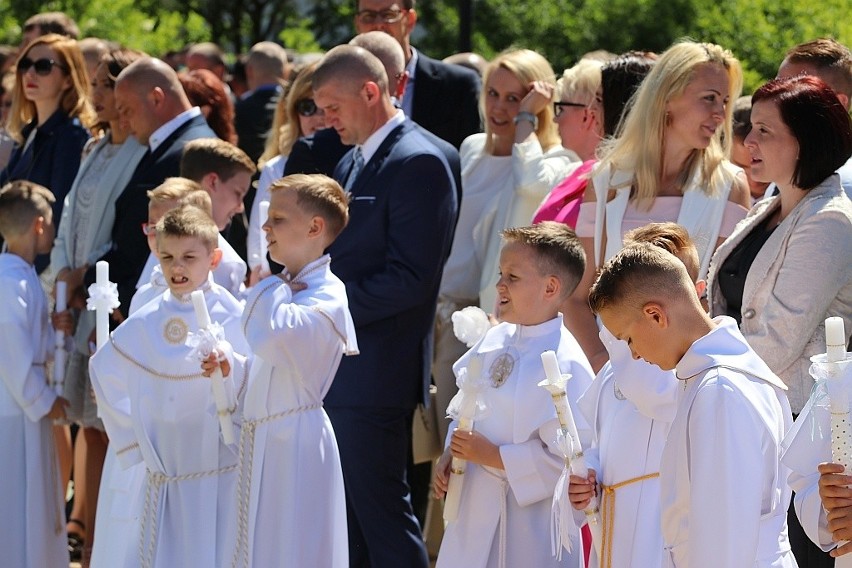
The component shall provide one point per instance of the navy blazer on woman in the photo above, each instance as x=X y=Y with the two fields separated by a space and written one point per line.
x=51 y=160
x=130 y=246
x=391 y=257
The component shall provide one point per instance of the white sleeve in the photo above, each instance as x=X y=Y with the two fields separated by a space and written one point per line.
x=26 y=382
x=533 y=467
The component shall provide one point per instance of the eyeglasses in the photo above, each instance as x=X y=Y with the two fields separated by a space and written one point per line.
x=42 y=66
x=388 y=16
x=149 y=229
x=307 y=107
x=559 y=108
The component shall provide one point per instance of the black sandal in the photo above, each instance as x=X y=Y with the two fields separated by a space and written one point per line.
x=76 y=541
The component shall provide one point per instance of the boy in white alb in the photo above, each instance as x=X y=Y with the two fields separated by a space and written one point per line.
x=822 y=489
x=32 y=503
x=292 y=506
x=513 y=462
x=629 y=407
x=724 y=492
x=159 y=409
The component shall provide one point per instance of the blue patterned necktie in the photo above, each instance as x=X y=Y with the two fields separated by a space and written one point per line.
x=357 y=166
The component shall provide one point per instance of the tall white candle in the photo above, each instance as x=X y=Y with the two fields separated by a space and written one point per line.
x=221 y=399
x=467 y=413
x=102 y=312
x=59 y=355
x=835 y=339
x=555 y=385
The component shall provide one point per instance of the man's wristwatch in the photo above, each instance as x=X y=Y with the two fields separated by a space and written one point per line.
x=527 y=117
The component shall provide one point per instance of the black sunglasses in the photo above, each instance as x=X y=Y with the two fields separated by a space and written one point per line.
x=306 y=107
x=42 y=66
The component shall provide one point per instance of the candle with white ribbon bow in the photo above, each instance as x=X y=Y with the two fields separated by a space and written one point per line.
x=469 y=388
x=555 y=385
x=216 y=379
x=60 y=356
x=103 y=299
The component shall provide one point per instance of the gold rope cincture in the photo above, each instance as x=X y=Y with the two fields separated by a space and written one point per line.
x=609 y=514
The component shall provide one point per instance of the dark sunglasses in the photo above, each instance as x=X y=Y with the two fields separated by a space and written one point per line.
x=306 y=107
x=42 y=66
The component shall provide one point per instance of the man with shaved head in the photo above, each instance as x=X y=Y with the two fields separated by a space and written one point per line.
x=390 y=256
x=149 y=97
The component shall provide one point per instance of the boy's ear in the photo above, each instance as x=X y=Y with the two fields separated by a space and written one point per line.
x=317 y=228
x=208 y=182
x=38 y=225
x=216 y=258
x=553 y=287
x=656 y=314
x=700 y=287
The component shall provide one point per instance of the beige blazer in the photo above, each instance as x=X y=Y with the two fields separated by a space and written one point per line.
x=802 y=275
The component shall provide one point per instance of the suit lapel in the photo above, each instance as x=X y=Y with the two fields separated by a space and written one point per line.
x=372 y=167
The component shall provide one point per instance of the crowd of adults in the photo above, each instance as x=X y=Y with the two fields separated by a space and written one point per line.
x=439 y=158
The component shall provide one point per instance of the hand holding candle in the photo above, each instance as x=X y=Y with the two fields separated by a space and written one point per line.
x=555 y=385
x=216 y=379
x=467 y=413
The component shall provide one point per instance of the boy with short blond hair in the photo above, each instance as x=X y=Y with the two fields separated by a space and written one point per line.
x=724 y=495
x=513 y=460
x=31 y=499
x=158 y=408
x=299 y=327
x=627 y=445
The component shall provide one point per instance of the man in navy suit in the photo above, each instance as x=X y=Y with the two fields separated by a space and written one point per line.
x=150 y=98
x=390 y=257
x=442 y=98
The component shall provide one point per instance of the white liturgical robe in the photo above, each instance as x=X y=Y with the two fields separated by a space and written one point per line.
x=158 y=409
x=291 y=487
x=33 y=516
x=520 y=418
x=629 y=406
x=724 y=492
x=808 y=444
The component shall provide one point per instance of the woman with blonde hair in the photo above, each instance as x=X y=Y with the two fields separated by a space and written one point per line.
x=50 y=117
x=667 y=163
x=295 y=116
x=506 y=171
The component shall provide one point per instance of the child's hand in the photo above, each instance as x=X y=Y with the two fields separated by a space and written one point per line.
x=836 y=498
x=441 y=479
x=57 y=411
x=214 y=361
x=63 y=321
x=476 y=448
x=581 y=490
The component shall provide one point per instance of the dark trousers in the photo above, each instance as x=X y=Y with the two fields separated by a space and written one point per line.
x=808 y=555
x=374 y=446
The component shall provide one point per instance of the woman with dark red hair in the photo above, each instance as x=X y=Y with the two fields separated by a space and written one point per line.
x=207 y=92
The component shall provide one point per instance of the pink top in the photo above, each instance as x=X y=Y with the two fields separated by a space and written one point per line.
x=562 y=204
x=663 y=209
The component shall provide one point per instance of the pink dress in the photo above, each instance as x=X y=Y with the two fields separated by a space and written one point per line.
x=562 y=204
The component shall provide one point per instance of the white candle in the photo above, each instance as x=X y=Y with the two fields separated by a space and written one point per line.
x=59 y=355
x=102 y=312
x=835 y=339
x=467 y=413
x=555 y=385
x=216 y=379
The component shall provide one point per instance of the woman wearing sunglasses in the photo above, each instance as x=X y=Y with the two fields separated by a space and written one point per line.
x=83 y=236
x=50 y=118
x=295 y=116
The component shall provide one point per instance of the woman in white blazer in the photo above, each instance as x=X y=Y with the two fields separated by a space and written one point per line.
x=788 y=265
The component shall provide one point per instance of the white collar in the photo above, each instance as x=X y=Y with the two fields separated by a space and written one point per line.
x=158 y=136
x=371 y=145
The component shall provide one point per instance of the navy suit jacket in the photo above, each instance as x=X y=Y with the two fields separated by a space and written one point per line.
x=391 y=257
x=446 y=99
x=253 y=119
x=129 y=246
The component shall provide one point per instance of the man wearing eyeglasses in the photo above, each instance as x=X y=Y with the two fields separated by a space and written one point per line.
x=441 y=98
